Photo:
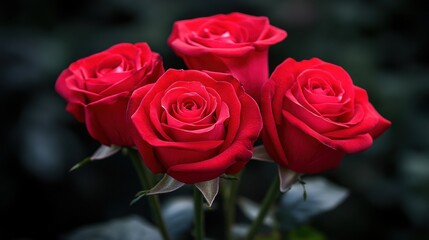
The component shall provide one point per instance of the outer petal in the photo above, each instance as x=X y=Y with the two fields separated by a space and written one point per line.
x=148 y=155
x=366 y=124
x=97 y=88
x=251 y=71
x=307 y=154
x=270 y=135
x=76 y=100
x=151 y=71
x=106 y=120
x=349 y=145
x=136 y=99
x=184 y=49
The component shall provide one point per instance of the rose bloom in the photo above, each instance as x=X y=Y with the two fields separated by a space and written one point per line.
x=235 y=43
x=313 y=115
x=195 y=126
x=97 y=88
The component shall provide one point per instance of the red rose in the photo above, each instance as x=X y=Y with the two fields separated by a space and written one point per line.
x=313 y=115
x=235 y=43
x=97 y=88
x=195 y=126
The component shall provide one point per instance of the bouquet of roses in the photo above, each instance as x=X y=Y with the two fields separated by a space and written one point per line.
x=199 y=125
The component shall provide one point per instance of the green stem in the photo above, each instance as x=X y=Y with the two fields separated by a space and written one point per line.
x=146 y=181
x=272 y=194
x=199 y=215
x=230 y=191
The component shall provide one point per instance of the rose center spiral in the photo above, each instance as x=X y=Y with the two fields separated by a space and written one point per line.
x=218 y=35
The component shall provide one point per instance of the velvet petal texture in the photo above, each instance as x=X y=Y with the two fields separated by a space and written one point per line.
x=97 y=89
x=314 y=115
x=194 y=126
x=234 y=43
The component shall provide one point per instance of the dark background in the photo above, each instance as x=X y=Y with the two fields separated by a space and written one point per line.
x=383 y=44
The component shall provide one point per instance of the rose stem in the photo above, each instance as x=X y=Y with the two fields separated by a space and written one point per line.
x=272 y=194
x=146 y=182
x=230 y=191
x=199 y=215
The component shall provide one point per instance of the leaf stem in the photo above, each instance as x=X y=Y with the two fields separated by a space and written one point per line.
x=147 y=182
x=199 y=215
x=272 y=194
x=229 y=192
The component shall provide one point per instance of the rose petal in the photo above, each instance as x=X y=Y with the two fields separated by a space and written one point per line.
x=366 y=120
x=305 y=152
x=349 y=145
x=171 y=154
x=106 y=120
x=85 y=68
x=199 y=160
x=136 y=99
x=183 y=48
x=100 y=84
x=214 y=131
x=251 y=71
x=270 y=134
x=237 y=154
x=315 y=121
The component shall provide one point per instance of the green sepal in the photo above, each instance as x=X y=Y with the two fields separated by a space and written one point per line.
x=80 y=164
x=138 y=196
x=209 y=189
x=101 y=153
